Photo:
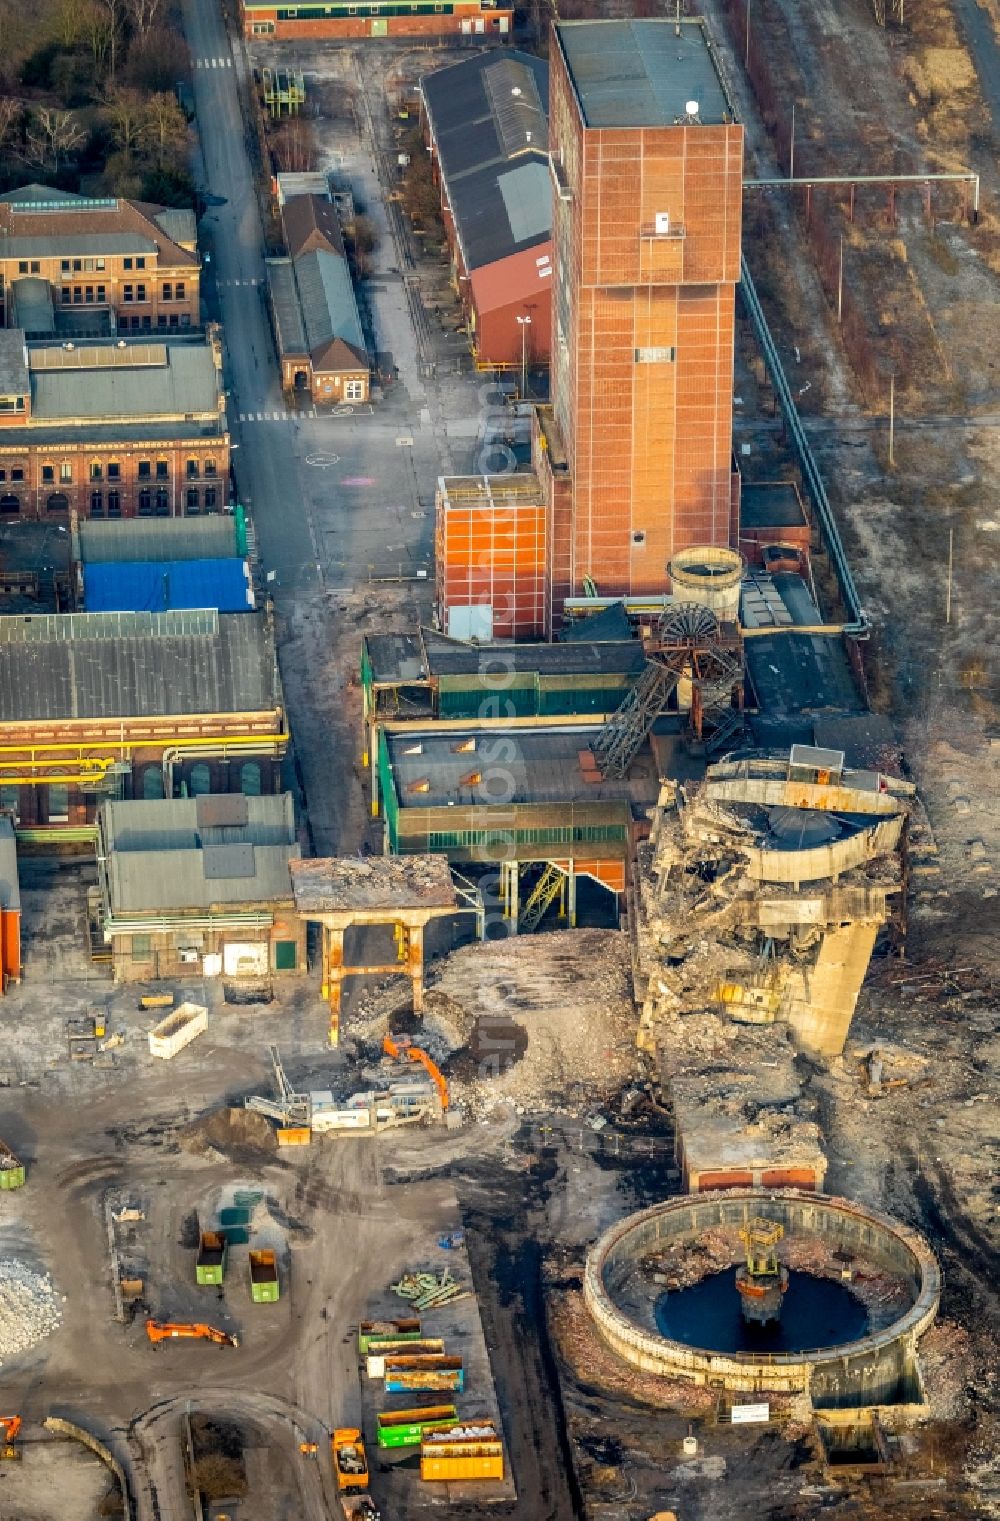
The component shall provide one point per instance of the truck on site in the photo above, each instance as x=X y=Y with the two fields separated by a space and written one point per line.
x=378 y=1351
x=424 y=1375
x=171 y=1330
x=264 y=1285
x=11 y=1168
x=405 y=1099
x=350 y=1462
x=213 y=1254
x=405 y=1428
x=360 y=1507
x=375 y=1330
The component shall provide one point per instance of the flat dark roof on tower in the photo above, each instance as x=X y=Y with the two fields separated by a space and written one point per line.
x=641 y=73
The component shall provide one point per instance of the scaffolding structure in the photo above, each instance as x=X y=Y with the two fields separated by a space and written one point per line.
x=284 y=91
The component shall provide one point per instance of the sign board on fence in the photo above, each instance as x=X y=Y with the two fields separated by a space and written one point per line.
x=744 y=1415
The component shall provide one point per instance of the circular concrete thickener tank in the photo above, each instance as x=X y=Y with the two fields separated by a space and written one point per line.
x=879 y=1368
x=710 y=576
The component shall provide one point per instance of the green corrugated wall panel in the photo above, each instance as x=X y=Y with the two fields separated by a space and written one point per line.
x=387 y=793
x=579 y=700
x=488 y=702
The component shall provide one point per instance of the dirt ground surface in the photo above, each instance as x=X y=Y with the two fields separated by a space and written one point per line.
x=567 y=1135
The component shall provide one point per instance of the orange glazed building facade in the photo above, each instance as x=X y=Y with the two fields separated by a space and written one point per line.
x=647 y=166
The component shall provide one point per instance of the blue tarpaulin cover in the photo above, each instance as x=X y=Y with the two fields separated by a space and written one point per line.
x=157 y=586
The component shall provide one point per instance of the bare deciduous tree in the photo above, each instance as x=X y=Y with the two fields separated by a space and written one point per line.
x=294 y=145
x=126 y=115
x=11 y=112
x=142 y=13
x=165 y=129
x=51 y=137
x=99 y=33
x=69 y=20
x=114 y=13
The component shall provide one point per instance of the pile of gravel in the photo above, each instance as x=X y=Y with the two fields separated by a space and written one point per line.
x=29 y=1308
x=239 y=1134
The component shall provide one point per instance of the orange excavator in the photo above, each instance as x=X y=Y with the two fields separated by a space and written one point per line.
x=167 y=1330
x=401 y=1046
x=10 y=1425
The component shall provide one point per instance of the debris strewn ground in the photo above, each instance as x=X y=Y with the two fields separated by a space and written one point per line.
x=540 y=1022
x=593 y=1361
x=29 y=1308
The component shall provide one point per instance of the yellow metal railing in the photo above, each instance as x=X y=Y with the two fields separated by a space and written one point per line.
x=83 y=767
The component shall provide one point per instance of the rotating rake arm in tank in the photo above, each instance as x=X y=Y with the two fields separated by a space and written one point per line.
x=762 y=1280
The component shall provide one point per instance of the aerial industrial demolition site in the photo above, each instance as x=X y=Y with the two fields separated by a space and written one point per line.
x=518 y=1035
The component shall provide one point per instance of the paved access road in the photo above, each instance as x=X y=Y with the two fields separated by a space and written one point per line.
x=266 y=467
x=334 y=499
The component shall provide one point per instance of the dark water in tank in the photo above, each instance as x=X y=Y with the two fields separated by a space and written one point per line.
x=816 y=1312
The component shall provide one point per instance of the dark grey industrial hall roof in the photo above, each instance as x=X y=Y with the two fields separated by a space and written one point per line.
x=447 y=657
x=160 y=855
x=484 y=133
x=14 y=377
x=609 y=626
x=427 y=655
x=65 y=666
x=795 y=672
x=770 y=504
x=540 y=766
x=121 y=540
x=642 y=73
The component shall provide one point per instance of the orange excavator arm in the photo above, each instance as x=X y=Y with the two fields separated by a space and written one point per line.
x=167 y=1330
x=10 y=1425
x=404 y=1047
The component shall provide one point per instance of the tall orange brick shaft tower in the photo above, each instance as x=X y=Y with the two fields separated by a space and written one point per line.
x=647 y=166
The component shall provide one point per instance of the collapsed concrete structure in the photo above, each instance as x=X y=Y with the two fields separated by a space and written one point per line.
x=758 y=900
x=764 y=888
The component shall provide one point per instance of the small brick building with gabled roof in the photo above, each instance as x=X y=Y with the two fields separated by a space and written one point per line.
x=314 y=311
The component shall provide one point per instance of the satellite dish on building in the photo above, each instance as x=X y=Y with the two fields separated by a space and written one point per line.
x=691 y=107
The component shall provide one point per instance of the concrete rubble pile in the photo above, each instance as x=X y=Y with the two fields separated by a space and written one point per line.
x=542 y=1022
x=759 y=897
x=29 y=1308
x=546 y=1020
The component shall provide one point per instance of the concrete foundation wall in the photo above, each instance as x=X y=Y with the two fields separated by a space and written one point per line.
x=873 y=1370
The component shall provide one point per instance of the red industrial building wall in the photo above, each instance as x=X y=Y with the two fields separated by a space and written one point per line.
x=10 y=946
x=644 y=337
x=499 y=294
x=468 y=23
x=495 y=558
